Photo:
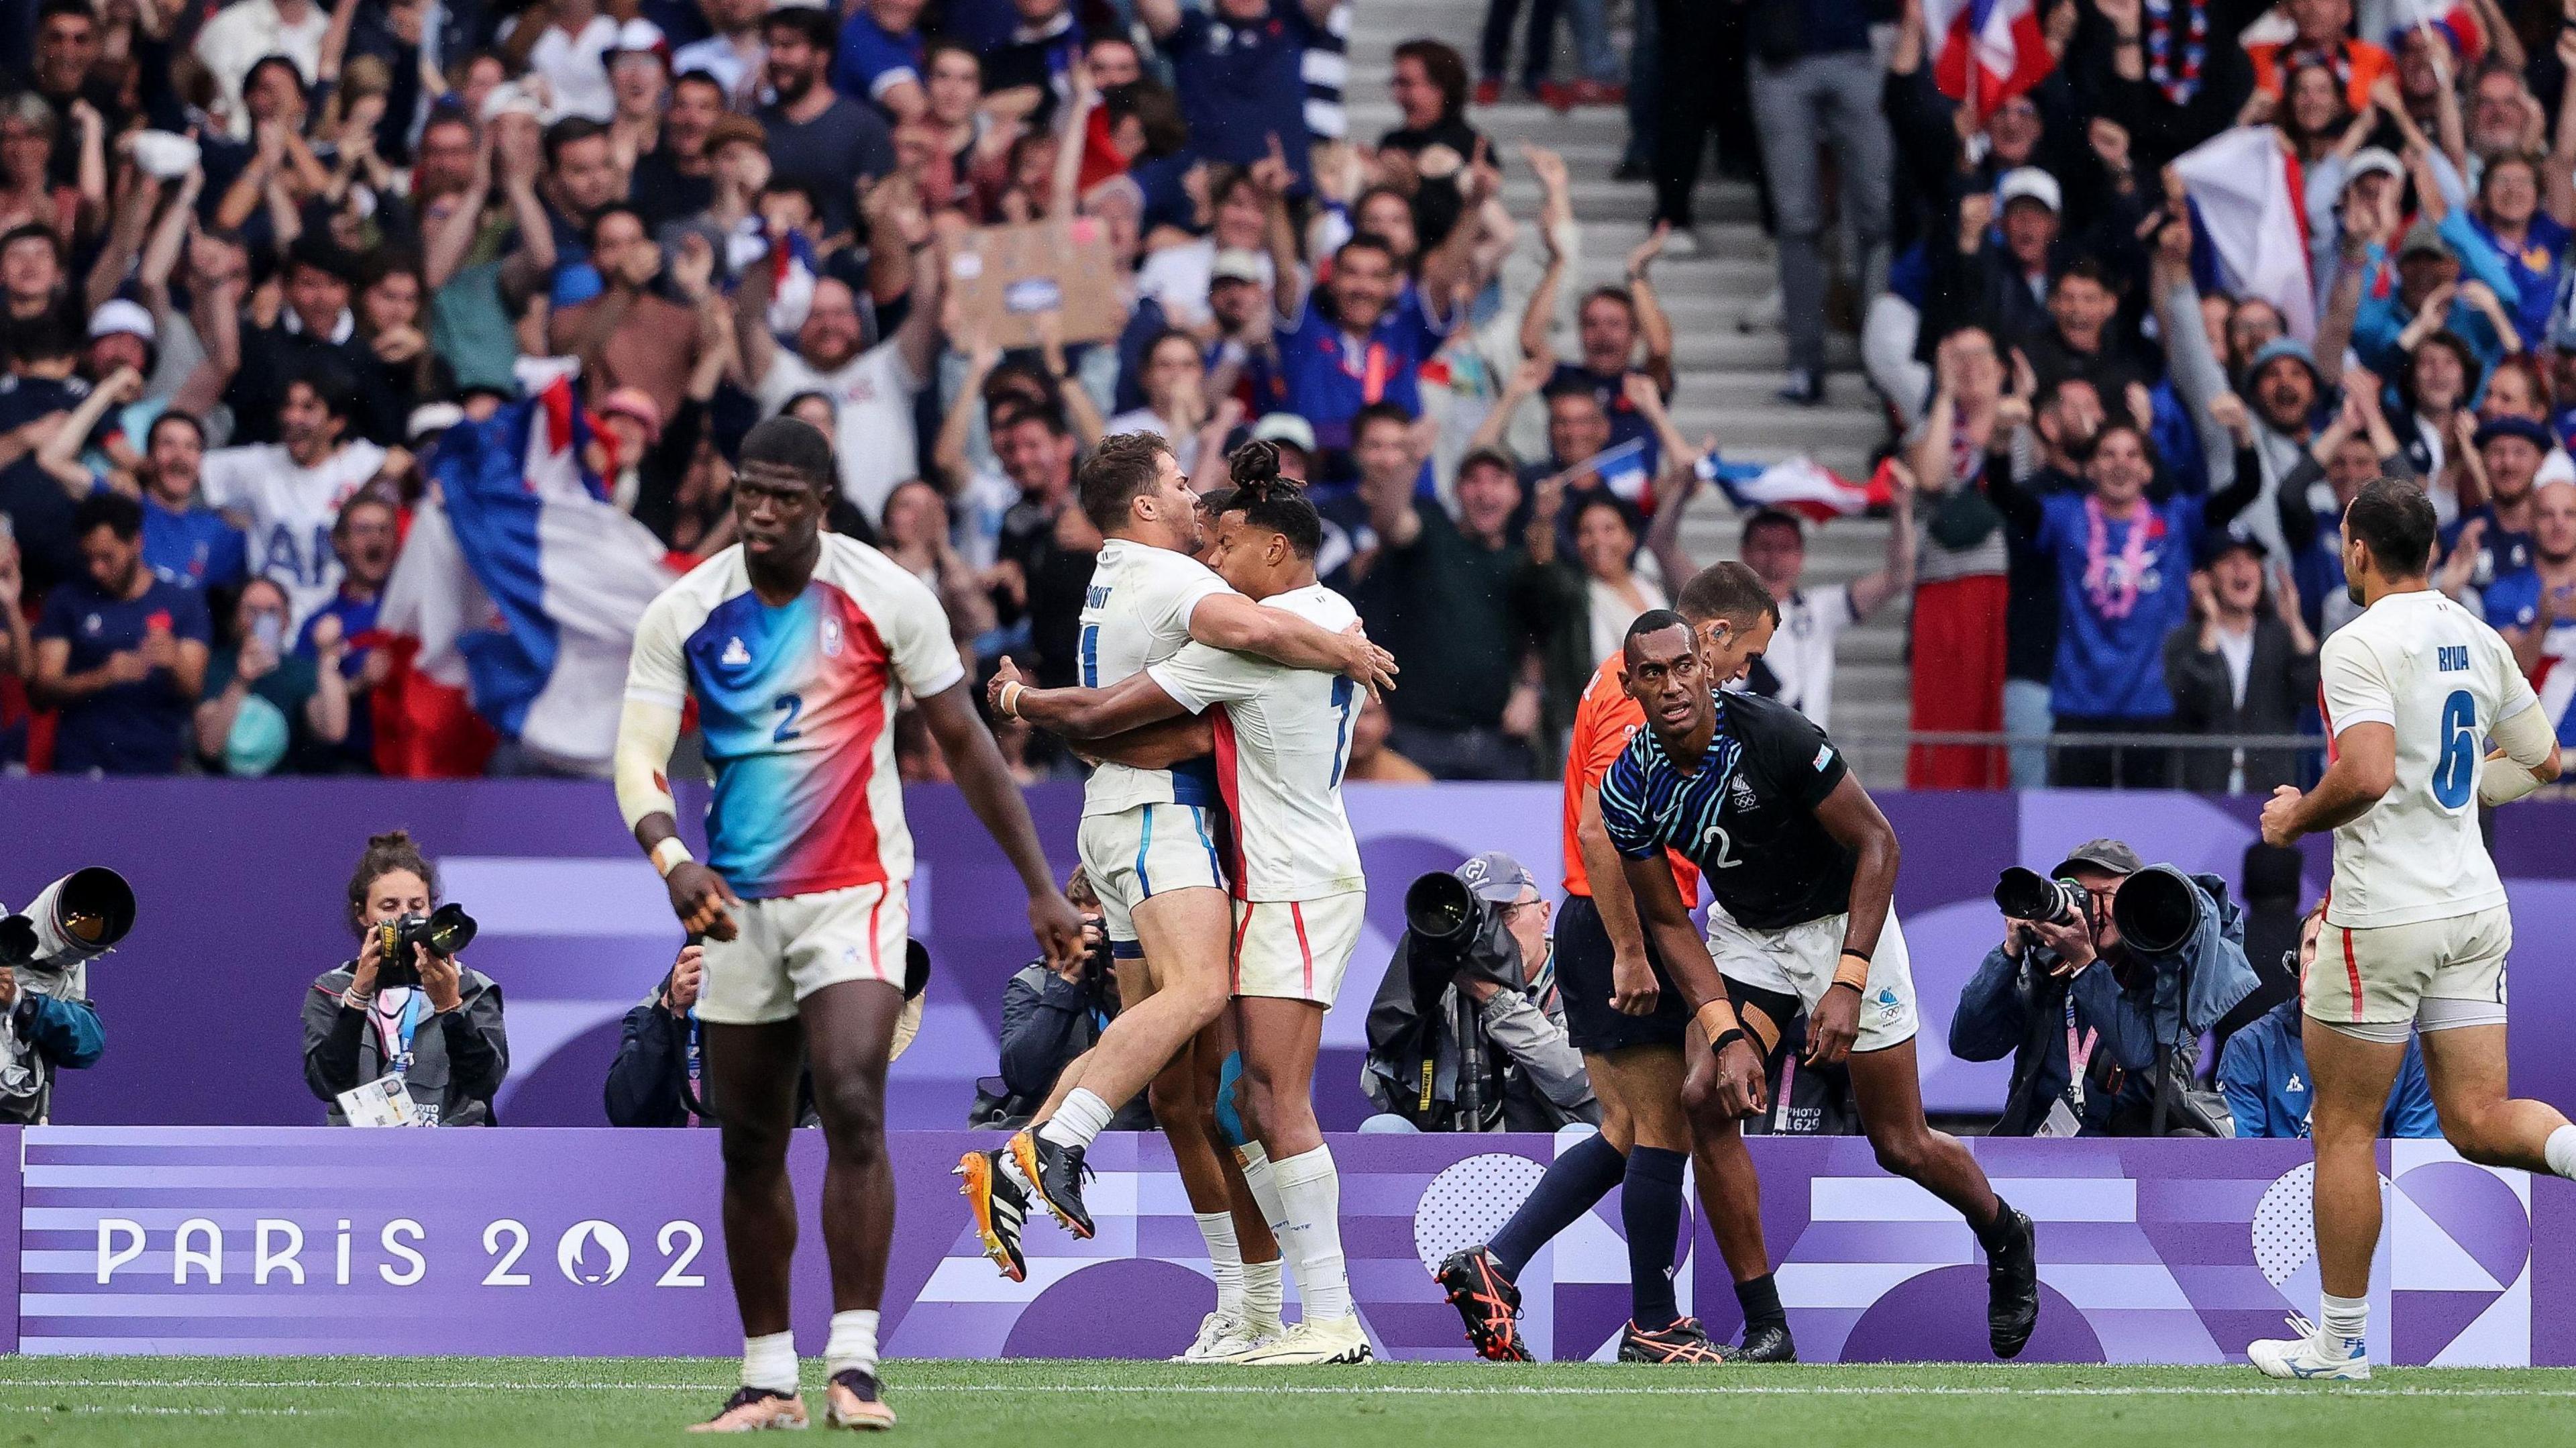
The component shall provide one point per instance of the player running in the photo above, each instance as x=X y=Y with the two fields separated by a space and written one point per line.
x=1282 y=737
x=1803 y=869
x=1624 y=1013
x=2416 y=927
x=1148 y=843
x=797 y=645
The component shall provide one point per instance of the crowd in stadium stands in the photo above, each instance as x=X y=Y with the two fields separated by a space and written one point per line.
x=2139 y=307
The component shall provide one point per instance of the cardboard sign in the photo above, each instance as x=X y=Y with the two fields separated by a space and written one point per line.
x=1004 y=277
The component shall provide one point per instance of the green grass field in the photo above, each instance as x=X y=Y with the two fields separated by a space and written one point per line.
x=506 y=1402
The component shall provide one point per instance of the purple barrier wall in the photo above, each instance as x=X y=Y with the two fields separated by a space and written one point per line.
x=166 y=1240
x=241 y=889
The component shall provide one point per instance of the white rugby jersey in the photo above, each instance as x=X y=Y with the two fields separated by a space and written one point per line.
x=1283 y=737
x=1136 y=613
x=2425 y=666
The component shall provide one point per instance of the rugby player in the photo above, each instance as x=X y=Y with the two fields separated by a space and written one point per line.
x=1148 y=843
x=1282 y=738
x=2416 y=926
x=1624 y=1013
x=797 y=646
x=1802 y=867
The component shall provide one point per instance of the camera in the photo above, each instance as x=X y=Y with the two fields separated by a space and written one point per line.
x=2157 y=909
x=1453 y=927
x=2029 y=895
x=442 y=932
x=78 y=917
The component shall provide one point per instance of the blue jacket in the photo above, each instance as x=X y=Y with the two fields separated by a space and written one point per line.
x=2264 y=1075
x=2009 y=1010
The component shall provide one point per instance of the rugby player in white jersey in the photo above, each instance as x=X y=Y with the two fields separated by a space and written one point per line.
x=2416 y=926
x=1149 y=844
x=1282 y=736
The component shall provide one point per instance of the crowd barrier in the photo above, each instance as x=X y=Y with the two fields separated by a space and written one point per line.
x=241 y=892
x=160 y=1240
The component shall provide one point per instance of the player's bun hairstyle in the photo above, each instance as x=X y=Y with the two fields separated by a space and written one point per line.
x=793 y=445
x=1267 y=500
x=393 y=850
x=2395 y=520
x=1729 y=591
x=1123 y=466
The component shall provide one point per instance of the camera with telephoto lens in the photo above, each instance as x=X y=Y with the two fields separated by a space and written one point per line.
x=78 y=917
x=2029 y=895
x=442 y=932
x=1452 y=926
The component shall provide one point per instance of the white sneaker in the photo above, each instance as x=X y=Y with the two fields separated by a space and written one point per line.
x=1215 y=1328
x=1250 y=1338
x=1328 y=1340
x=2311 y=1354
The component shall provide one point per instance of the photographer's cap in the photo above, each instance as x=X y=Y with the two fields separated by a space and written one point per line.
x=2113 y=856
x=1496 y=877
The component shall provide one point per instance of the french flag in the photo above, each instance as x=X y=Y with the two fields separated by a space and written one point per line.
x=1985 y=51
x=1798 y=484
x=2246 y=192
x=515 y=600
x=1621 y=469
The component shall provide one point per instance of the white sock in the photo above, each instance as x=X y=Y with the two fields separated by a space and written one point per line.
x=853 y=1343
x=1262 y=1293
x=770 y=1362
x=1226 y=1258
x=1312 y=1193
x=1082 y=1117
x=1263 y=1182
x=2345 y=1318
x=2560 y=1151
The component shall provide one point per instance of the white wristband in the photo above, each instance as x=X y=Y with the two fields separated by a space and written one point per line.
x=1009 y=702
x=668 y=855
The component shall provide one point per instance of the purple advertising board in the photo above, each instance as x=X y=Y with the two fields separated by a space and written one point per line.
x=241 y=889
x=593 y=1242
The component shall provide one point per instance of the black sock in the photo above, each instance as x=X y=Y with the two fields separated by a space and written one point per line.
x=1650 y=1207
x=1998 y=1232
x=1760 y=1299
x=1580 y=1176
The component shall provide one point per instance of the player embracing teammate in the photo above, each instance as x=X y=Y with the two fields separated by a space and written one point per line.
x=1164 y=637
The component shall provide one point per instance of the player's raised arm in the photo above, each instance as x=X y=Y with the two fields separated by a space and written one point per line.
x=1236 y=624
x=1853 y=819
x=990 y=791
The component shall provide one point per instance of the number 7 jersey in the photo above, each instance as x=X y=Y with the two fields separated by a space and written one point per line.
x=2430 y=670
x=1283 y=737
x=797 y=705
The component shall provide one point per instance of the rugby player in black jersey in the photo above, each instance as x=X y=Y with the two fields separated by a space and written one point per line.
x=1802 y=867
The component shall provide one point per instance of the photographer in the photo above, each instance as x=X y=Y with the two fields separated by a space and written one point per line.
x=2263 y=1069
x=2099 y=1028
x=442 y=1037
x=46 y=1025
x=655 y=1080
x=1051 y=1018
x=1500 y=963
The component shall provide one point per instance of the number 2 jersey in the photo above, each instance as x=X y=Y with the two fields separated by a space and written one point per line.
x=2443 y=680
x=1283 y=737
x=1746 y=816
x=797 y=705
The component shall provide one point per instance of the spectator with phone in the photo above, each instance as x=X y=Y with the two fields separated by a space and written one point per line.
x=255 y=714
x=120 y=652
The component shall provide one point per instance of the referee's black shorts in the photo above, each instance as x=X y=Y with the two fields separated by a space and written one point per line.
x=1583 y=957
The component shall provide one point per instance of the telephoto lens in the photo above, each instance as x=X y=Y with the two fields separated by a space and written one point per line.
x=2157 y=909
x=1439 y=907
x=2029 y=895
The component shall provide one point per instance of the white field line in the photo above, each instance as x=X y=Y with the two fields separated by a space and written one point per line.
x=899 y=1388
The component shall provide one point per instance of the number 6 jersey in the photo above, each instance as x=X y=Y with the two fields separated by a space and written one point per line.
x=2443 y=680
x=797 y=704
